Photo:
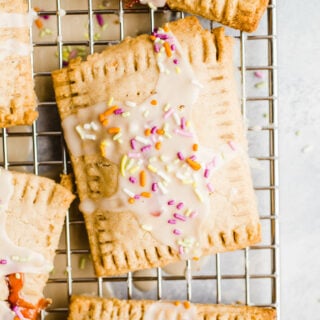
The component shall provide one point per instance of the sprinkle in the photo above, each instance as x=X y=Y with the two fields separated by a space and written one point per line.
x=180 y=205
x=82 y=263
x=198 y=194
x=177 y=232
x=38 y=23
x=175 y=61
x=152 y=37
x=131 y=200
x=147 y=132
x=260 y=85
x=103 y=146
x=142 y=140
x=156 y=213
x=129 y=164
x=176 y=118
x=109 y=111
x=187 y=181
x=152 y=168
x=114 y=130
x=143 y=178
x=195 y=147
x=146 y=227
x=160 y=131
x=232 y=145
x=172 y=221
x=168 y=113
x=17 y=311
x=297 y=133
x=193 y=164
x=100 y=19
x=118 y=111
x=123 y=164
x=133 y=144
x=181 y=251
x=128 y=192
x=136 y=196
x=180 y=217
x=158 y=145
x=152 y=159
x=183 y=123
x=307 y=148
x=117 y=136
x=187 y=304
x=258 y=74
x=134 y=169
x=153 y=130
x=173 y=47
x=130 y=104
x=210 y=187
x=206 y=173
x=132 y=179
x=18 y=276
x=154 y=187
x=178 y=70
x=134 y=155
x=3 y=261
x=146 y=194
x=166 y=107
x=187 y=212
x=183 y=133
x=163 y=176
x=163 y=189
x=154 y=102
x=180 y=156
x=146 y=148
x=170 y=202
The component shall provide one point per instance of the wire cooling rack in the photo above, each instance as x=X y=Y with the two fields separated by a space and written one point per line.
x=249 y=276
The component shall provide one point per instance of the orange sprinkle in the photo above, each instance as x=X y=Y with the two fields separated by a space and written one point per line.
x=193 y=164
x=176 y=303
x=147 y=132
x=36 y=9
x=146 y=194
x=101 y=117
x=158 y=145
x=154 y=102
x=113 y=130
x=131 y=200
x=168 y=49
x=109 y=111
x=166 y=28
x=187 y=304
x=105 y=122
x=152 y=38
x=38 y=23
x=195 y=258
x=160 y=132
x=143 y=178
x=195 y=147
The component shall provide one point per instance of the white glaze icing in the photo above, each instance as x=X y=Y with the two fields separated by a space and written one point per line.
x=167 y=176
x=169 y=311
x=154 y=3
x=16 y=20
x=13 y=258
x=12 y=47
x=5 y=312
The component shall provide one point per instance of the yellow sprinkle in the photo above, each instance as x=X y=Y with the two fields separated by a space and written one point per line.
x=187 y=212
x=152 y=168
x=103 y=146
x=178 y=70
x=166 y=107
x=188 y=123
x=146 y=194
x=123 y=164
x=110 y=102
x=117 y=136
x=134 y=169
x=199 y=195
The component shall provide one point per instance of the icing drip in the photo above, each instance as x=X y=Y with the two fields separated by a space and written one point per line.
x=16 y=20
x=14 y=258
x=171 y=311
x=164 y=172
x=13 y=47
x=5 y=312
x=154 y=4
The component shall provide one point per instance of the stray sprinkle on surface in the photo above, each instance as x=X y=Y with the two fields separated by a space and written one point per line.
x=306 y=149
x=260 y=85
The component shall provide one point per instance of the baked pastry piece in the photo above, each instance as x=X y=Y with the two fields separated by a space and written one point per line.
x=92 y=308
x=157 y=143
x=31 y=218
x=17 y=97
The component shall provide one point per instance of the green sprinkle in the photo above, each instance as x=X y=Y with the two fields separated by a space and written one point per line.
x=260 y=85
x=297 y=133
x=265 y=115
x=82 y=263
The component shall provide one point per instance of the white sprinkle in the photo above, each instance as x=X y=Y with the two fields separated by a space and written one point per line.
x=176 y=118
x=130 y=164
x=198 y=194
x=197 y=83
x=94 y=126
x=142 y=140
x=163 y=189
x=307 y=148
x=169 y=168
x=140 y=162
x=164 y=158
x=117 y=136
x=128 y=192
x=88 y=136
x=130 y=104
x=153 y=159
x=188 y=181
x=166 y=107
x=126 y=114
x=180 y=176
x=146 y=113
x=146 y=227
x=164 y=176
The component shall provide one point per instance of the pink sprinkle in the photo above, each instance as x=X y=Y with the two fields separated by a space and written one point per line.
x=258 y=74
x=210 y=187
x=193 y=214
x=206 y=173
x=212 y=163
x=172 y=221
x=100 y=19
x=134 y=155
x=180 y=156
x=118 y=111
x=73 y=54
x=17 y=311
x=173 y=47
x=137 y=196
x=177 y=232
x=175 y=61
x=146 y=148
x=180 y=205
x=156 y=48
x=184 y=133
x=193 y=157
x=181 y=250
x=170 y=202
x=168 y=113
x=154 y=187
x=153 y=130
x=180 y=217
x=132 y=179
x=133 y=144
x=3 y=261
x=232 y=145
x=183 y=123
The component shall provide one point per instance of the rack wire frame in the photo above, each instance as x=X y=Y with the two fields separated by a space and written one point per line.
x=272 y=158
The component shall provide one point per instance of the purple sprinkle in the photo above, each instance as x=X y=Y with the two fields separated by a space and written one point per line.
x=180 y=156
x=163 y=36
x=180 y=205
x=65 y=63
x=177 y=232
x=183 y=123
x=100 y=19
x=193 y=157
x=132 y=179
x=146 y=148
x=175 y=61
x=172 y=221
x=153 y=130
x=173 y=47
x=154 y=187
x=133 y=144
x=118 y=111
x=45 y=17
x=180 y=217
x=206 y=173
x=137 y=196
x=170 y=202
x=3 y=261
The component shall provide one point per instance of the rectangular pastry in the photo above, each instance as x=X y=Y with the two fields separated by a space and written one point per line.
x=157 y=143
x=32 y=212
x=17 y=97
x=93 y=308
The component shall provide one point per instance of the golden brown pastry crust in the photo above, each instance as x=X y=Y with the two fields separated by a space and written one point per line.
x=18 y=100
x=93 y=308
x=129 y=71
x=244 y=15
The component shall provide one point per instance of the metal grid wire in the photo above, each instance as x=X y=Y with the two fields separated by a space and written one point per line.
x=48 y=157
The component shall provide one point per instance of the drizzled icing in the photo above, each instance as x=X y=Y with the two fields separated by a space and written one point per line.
x=171 y=311
x=164 y=173
x=13 y=258
x=154 y=4
x=11 y=47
